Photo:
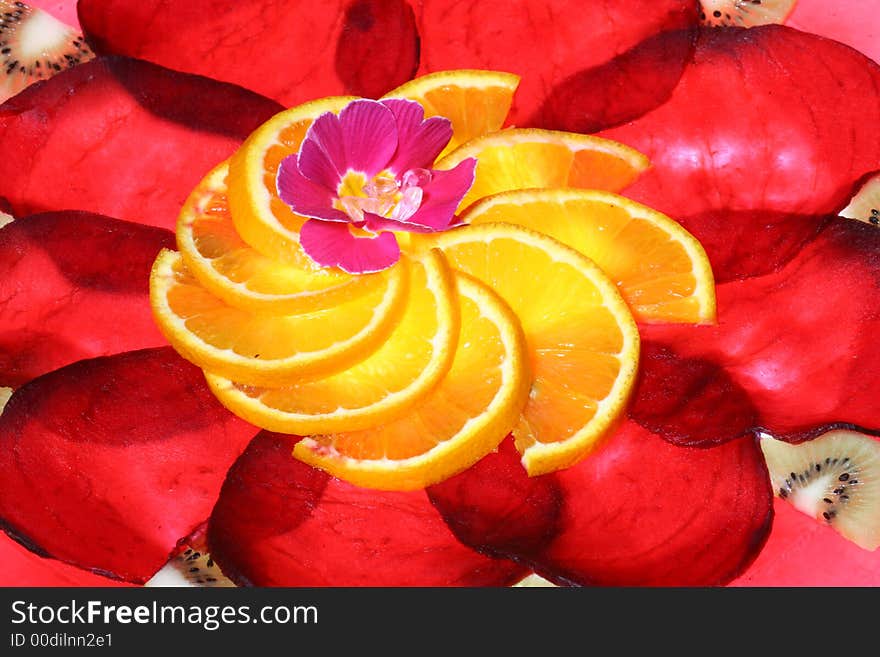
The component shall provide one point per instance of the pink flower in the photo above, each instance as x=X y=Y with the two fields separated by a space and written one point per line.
x=365 y=174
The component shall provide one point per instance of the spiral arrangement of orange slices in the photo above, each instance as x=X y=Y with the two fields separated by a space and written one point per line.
x=522 y=321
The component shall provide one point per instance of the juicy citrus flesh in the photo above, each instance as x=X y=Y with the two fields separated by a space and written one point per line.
x=475 y=101
x=530 y=158
x=461 y=420
x=583 y=343
x=267 y=349
x=261 y=218
x=661 y=270
x=245 y=278
x=413 y=359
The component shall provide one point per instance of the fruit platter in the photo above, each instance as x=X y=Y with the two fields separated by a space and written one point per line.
x=400 y=293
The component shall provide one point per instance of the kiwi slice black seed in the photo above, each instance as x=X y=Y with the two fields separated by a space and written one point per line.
x=35 y=45
x=834 y=478
x=744 y=13
x=865 y=205
x=191 y=567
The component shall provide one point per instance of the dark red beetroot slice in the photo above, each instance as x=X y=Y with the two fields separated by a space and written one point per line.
x=496 y=506
x=21 y=567
x=545 y=43
x=74 y=285
x=801 y=342
x=280 y=522
x=108 y=462
x=648 y=72
x=120 y=137
x=803 y=552
x=767 y=118
x=292 y=51
x=639 y=511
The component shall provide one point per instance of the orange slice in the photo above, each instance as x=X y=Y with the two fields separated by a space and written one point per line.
x=661 y=269
x=266 y=349
x=242 y=276
x=475 y=101
x=583 y=342
x=464 y=418
x=391 y=380
x=261 y=218
x=533 y=158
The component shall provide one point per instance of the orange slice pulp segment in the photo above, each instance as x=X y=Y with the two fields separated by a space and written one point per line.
x=242 y=276
x=582 y=341
x=530 y=158
x=269 y=349
x=416 y=355
x=662 y=271
x=475 y=101
x=261 y=218
x=464 y=418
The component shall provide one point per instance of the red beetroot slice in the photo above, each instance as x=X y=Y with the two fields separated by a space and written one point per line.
x=74 y=285
x=545 y=43
x=21 y=567
x=803 y=552
x=627 y=514
x=292 y=50
x=107 y=463
x=767 y=118
x=802 y=341
x=120 y=137
x=280 y=522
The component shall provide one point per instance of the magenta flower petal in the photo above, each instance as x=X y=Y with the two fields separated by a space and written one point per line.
x=419 y=142
x=69 y=282
x=121 y=138
x=443 y=194
x=304 y=196
x=331 y=244
x=369 y=134
x=280 y=522
x=322 y=157
x=108 y=462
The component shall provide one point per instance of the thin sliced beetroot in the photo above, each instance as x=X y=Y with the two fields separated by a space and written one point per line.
x=802 y=341
x=689 y=401
x=649 y=72
x=546 y=43
x=21 y=567
x=120 y=137
x=74 y=285
x=803 y=552
x=628 y=515
x=280 y=522
x=107 y=463
x=768 y=118
x=292 y=50
x=496 y=506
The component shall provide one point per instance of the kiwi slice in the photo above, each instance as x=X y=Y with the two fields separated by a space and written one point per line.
x=865 y=205
x=744 y=13
x=35 y=45
x=834 y=478
x=191 y=567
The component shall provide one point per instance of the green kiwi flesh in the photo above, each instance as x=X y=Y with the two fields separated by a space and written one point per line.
x=865 y=205
x=834 y=478
x=34 y=45
x=744 y=13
